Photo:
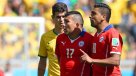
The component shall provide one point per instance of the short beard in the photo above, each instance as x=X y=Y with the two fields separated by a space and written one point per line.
x=92 y=24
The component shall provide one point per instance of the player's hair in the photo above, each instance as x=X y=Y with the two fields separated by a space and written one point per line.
x=104 y=9
x=77 y=17
x=59 y=7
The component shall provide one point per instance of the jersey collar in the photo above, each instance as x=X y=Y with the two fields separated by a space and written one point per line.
x=55 y=32
x=108 y=27
x=82 y=32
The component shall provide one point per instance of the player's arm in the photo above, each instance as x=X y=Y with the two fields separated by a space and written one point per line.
x=43 y=57
x=42 y=66
x=115 y=47
x=113 y=60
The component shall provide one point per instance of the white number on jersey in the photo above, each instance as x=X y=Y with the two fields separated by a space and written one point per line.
x=94 y=47
x=69 y=52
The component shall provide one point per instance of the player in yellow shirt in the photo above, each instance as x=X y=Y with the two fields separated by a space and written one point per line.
x=48 y=42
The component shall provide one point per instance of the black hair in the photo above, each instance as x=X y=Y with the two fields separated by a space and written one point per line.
x=104 y=9
x=59 y=7
x=77 y=17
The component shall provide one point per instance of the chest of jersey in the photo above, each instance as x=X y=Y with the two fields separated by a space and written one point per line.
x=100 y=46
x=70 y=48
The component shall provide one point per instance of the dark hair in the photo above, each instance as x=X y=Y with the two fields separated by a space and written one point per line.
x=104 y=9
x=77 y=17
x=59 y=7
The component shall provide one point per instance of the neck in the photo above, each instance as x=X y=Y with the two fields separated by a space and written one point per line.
x=58 y=31
x=74 y=34
x=102 y=27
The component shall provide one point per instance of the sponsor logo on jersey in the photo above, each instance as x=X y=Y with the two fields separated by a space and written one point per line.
x=115 y=42
x=81 y=44
x=101 y=39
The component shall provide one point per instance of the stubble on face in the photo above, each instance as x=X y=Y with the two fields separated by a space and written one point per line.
x=95 y=17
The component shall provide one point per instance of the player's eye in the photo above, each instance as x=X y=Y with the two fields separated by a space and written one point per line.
x=93 y=13
x=66 y=21
x=60 y=16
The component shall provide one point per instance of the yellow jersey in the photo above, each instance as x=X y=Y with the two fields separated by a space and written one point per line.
x=47 y=49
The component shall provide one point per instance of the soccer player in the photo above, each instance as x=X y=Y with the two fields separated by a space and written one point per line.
x=68 y=45
x=48 y=42
x=1 y=73
x=107 y=44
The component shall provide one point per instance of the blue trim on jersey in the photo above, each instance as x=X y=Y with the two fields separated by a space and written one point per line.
x=82 y=32
x=108 y=27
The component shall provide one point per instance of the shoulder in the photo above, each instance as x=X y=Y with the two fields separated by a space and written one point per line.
x=48 y=34
x=88 y=35
x=113 y=30
x=113 y=33
x=62 y=35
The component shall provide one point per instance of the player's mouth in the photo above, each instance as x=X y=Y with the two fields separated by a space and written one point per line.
x=61 y=26
x=92 y=20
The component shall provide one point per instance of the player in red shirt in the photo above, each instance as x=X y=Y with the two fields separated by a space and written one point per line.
x=1 y=73
x=68 y=47
x=107 y=44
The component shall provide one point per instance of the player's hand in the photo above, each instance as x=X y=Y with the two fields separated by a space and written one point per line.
x=85 y=57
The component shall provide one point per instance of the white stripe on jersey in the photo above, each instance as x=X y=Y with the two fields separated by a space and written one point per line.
x=115 y=52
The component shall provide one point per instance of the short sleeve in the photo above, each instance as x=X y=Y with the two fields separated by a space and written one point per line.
x=115 y=42
x=42 y=47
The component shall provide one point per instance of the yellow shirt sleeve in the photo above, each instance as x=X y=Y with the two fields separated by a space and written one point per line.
x=42 y=48
x=47 y=44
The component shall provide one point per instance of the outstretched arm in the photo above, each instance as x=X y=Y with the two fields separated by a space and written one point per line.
x=113 y=60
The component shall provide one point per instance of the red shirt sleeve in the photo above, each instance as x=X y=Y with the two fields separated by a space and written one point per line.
x=115 y=42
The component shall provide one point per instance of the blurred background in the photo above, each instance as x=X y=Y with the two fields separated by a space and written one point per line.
x=22 y=23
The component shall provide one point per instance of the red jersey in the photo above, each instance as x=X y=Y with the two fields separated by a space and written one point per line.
x=106 y=43
x=68 y=52
x=1 y=73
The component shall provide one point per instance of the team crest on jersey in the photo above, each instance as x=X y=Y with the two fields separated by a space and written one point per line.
x=101 y=39
x=81 y=43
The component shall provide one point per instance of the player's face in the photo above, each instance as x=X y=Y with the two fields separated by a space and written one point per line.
x=58 y=20
x=70 y=24
x=95 y=17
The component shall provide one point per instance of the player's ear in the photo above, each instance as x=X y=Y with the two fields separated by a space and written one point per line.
x=77 y=24
x=52 y=16
x=104 y=17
